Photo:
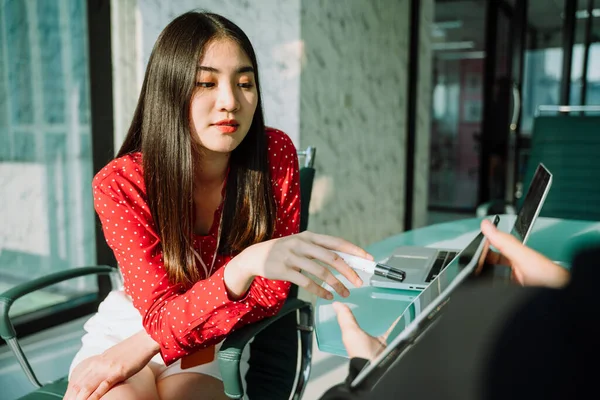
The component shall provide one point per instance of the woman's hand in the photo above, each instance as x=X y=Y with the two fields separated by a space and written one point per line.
x=285 y=258
x=95 y=376
x=529 y=267
x=357 y=342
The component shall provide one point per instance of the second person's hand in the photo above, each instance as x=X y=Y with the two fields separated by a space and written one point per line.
x=529 y=267
x=358 y=343
x=285 y=258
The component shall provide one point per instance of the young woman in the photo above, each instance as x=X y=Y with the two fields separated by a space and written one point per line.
x=201 y=208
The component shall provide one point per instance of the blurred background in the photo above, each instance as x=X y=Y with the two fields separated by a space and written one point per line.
x=420 y=110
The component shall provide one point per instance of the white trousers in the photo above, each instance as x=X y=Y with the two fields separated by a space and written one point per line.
x=116 y=320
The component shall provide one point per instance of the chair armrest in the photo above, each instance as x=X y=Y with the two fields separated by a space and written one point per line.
x=7 y=298
x=231 y=351
x=7 y=329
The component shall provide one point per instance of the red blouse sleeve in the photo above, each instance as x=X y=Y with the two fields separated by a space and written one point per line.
x=180 y=320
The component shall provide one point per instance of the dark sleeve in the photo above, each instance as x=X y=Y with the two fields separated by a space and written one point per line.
x=585 y=274
x=342 y=390
x=548 y=349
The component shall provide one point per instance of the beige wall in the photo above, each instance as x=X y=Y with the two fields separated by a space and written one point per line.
x=353 y=109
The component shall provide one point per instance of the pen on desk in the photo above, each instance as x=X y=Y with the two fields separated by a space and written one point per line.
x=372 y=267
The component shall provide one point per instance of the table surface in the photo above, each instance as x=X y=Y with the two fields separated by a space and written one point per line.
x=376 y=308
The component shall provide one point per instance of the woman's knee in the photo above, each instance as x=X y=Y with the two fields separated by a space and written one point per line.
x=190 y=386
x=141 y=386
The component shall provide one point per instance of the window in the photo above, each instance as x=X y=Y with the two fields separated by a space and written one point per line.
x=541 y=83
x=47 y=219
x=593 y=76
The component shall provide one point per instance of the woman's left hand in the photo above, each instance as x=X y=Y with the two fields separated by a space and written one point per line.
x=358 y=343
x=95 y=376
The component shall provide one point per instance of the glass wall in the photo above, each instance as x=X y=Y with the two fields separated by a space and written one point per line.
x=593 y=74
x=457 y=100
x=46 y=217
x=591 y=81
x=543 y=60
x=480 y=56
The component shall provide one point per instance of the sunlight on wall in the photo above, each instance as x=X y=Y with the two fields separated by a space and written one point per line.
x=23 y=185
x=321 y=194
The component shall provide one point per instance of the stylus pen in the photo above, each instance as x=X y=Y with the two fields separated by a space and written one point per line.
x=372 y=267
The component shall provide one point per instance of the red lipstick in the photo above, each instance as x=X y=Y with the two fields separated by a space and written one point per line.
x=227 y=125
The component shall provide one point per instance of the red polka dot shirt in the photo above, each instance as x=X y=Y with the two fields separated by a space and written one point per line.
x=180 y=320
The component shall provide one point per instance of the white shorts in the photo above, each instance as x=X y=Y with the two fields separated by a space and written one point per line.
x=116 y=320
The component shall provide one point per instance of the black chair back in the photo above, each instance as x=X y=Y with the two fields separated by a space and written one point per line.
x=277 y=345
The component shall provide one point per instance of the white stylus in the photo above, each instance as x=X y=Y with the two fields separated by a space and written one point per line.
x=372 y=267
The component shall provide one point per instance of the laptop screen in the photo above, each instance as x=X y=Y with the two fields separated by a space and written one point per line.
x=412 y=323
x=536 y=194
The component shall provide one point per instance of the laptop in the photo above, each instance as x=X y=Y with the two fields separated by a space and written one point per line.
x=422 y=264
x=422 y=313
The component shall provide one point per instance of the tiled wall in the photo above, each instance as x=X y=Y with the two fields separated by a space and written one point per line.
x=353 y=109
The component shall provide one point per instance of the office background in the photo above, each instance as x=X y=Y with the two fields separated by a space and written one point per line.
x=403 y=99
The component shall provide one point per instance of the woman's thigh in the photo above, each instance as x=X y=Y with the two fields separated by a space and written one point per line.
x=141 y=386
x=190 y=385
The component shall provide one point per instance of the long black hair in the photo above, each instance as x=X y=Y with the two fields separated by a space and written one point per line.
x=161 y=131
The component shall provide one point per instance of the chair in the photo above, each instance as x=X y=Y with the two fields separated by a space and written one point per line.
x=307 y=176
x=275 y=339
x=568 y=145
x=56 y=389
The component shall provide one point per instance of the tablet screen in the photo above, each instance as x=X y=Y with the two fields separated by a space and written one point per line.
x=532 y=203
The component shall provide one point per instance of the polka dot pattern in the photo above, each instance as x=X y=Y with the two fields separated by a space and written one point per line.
x=181 y=320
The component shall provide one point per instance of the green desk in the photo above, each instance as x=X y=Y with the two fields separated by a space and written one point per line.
x=375 y=308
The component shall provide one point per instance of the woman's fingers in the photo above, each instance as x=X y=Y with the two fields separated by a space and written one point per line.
x=69 y=393
x=308 y=284
x=336 y=243
x=87 y=382
x=73 y=389
x=101 y=390
x=90 y=386
x=84 y=392
x=320 y=272
x=310 y=250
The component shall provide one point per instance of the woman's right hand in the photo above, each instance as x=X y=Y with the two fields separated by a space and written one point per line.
x=95 y=376
x=529 y=267
x=284 y=259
